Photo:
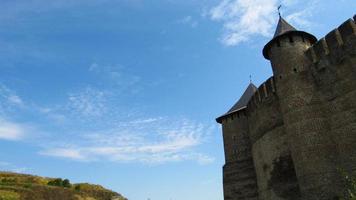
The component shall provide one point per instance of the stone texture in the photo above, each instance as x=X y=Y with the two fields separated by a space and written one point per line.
x=300 y=125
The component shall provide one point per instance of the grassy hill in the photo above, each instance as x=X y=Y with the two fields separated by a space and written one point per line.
x=15 y=186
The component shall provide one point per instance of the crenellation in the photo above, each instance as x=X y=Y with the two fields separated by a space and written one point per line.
x=258 y=94
x=347 y=30
x=263 y=92
x=301 y=125
x=334 y=40
x=321 y=49
x=336 y=45
x=310 y=54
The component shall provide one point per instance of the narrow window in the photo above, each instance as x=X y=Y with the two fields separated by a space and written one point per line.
x=291 y=39
x=234 y=137
x=234 y=152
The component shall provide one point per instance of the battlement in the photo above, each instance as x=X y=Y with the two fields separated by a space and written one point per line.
x=265 y=90
x=336 y=45
x=299 y=124
x=232 y=115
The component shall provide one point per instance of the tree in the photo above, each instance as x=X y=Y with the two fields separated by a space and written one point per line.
x=56 y=182
x=66 y=183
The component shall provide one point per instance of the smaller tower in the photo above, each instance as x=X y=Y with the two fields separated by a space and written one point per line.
x=239 y=176
x=287 y=44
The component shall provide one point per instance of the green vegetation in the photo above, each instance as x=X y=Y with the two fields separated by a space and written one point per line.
x=350 y=185
x=60 y=183
x=9 y=195
x=27 y=187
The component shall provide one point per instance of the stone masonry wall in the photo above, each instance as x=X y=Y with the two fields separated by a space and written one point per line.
x=269 y=145
x=239 y=175
x=334 y=69
x=299 y=127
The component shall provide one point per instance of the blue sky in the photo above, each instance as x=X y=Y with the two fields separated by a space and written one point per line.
x=124 y=93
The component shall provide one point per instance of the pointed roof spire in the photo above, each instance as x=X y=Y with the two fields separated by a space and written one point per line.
x=242 y=102
x=279 y=10
x=284 y=28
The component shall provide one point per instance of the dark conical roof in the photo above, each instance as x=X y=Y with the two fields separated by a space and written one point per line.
x=242 y=102
x=284 y=28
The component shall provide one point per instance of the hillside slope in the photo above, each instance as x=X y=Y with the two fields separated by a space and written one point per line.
x=27 y=187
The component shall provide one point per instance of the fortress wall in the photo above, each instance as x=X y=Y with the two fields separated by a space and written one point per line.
x=235 y=136
x=268 y=137
x=239 y=175
x=262 y=109
x=300 y=126
x=266 y=152
x=304 y=116
x=334 y=69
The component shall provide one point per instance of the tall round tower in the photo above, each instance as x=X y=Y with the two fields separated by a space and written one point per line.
x=307 y=130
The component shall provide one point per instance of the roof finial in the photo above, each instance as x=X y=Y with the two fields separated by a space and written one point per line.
x=250 y=79
x=279 y=10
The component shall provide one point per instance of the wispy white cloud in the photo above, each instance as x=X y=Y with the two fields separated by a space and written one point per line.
x=94 y=129
x=11 y=130
x=9 y=102
x=152 y=141
x=87 y=103
x=117 y=76
x=64 y=153
x=245 y=19
x=189 y=20
x=9 y=97
x=6 y=166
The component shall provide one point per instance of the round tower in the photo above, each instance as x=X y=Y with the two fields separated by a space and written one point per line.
x=286 y=50
x=306 y=126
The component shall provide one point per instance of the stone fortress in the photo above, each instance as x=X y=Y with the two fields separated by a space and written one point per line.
x=289 y=138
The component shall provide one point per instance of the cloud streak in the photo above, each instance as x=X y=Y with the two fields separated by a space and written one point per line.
x=9 y=98
x=116 y=76
x=6 y=166
x=11 y=131
x=91 y=126
x=189 y=20
x=147 y=141
x=88 y=103
x=245 y=19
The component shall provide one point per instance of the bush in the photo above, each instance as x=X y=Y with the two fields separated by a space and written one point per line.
x=56 y=182
x=350 y=185
x=27 y=185
x=77 y=187
x=66 y=183
x=60 y=183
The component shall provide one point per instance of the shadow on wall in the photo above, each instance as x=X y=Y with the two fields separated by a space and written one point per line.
x=284 y=182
